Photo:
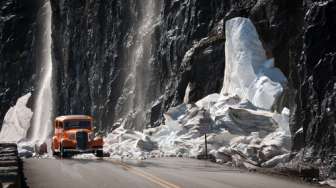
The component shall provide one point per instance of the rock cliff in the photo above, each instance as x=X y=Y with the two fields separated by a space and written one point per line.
x=315 y=112
x=17 y=50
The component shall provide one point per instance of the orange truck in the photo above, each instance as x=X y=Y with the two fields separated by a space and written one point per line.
x=73 y=135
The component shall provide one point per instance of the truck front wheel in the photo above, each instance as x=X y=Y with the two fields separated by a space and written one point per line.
x=99 y=153
x=62 y=152
x=53 y=149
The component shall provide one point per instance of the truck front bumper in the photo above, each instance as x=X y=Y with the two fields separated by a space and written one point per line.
x=78 y=151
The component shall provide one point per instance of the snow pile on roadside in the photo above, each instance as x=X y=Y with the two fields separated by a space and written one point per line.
x=17 y=121
x=128 y=143
x=237 y=132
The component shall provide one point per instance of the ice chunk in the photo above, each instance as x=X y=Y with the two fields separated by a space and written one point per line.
x=267 y=86
x=244 y=122
x=17 y=121
x=186 y=95
x=175 y=112
x=279 y=139
x=208 y=101
x=248 y=74
x=244 y=55
x=283 y=121
x=264 y=92
x=128 y=143
x=272 y=72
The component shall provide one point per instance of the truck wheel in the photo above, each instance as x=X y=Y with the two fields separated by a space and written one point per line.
x=62 y=152
x=53 y=150
x=99 y=153
x=55 y=153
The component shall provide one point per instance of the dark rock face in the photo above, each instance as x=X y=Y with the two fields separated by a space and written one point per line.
x=183 y=26
x=316 y=98
x=91 y=65
x=17 y=29
x=89 y=39
x=279 y=26
x=202 y=67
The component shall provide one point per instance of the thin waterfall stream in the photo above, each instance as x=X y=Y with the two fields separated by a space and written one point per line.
x=139 y=73
x=43 y=106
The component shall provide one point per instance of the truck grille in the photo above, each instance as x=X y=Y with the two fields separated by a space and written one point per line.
x=82 y=140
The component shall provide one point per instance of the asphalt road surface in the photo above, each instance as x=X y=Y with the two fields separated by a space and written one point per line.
x=158 y=173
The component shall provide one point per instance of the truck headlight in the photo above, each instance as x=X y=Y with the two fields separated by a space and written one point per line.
x=72 y=136
x=91 y=136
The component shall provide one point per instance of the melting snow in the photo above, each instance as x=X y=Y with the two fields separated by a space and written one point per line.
x=17 y=121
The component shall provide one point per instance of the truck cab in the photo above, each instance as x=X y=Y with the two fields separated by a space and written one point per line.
x=74 y=134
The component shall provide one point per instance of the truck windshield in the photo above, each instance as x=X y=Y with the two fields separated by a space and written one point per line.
x=77 y=125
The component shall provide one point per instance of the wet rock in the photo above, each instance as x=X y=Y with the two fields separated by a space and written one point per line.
x=17 y=40
x=202 y=68
x=316 y=98
x=156 y=113
x=191 y=46
x=309 y=172
x=42 y=149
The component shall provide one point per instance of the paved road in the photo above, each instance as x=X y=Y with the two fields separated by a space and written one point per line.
x=158 y=173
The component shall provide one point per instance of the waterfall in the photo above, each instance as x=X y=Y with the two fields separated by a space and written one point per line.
x=43 y=106
x=136 y=87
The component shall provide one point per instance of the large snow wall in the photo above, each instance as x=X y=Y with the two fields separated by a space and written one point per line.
x=248 y=72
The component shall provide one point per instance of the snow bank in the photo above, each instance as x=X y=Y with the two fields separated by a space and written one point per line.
x=17 y=121
x=128 y=143
x=248 y=73
x=235 y=128
x=236 y=134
